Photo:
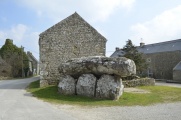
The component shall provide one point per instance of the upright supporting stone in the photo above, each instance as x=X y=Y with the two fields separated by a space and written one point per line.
x=109 y=87
x=66 y=85
x=43 y=83
x=86 y=85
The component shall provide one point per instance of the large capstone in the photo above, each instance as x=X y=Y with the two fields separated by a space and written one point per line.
x=86 y=85
x=98 y=65
x=109 y=87
x=66 y=85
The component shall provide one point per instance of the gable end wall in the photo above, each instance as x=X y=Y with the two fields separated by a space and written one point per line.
x=72 y=38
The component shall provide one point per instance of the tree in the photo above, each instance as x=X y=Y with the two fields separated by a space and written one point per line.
x=131 y=52
x=13 y=56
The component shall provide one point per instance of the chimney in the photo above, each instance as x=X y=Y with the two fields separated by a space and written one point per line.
x=117 y=48
x=28 y=52
x=142 y=44
x=11 y=41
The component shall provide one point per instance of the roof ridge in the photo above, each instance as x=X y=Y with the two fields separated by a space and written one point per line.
x=165 y=42
x=72 y=15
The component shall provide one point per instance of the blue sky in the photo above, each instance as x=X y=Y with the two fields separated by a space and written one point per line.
x=117 y=20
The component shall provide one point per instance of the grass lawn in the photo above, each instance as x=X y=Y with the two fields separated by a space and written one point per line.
x=158 y=94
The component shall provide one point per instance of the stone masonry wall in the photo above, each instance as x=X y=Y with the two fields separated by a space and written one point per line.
x=177 y=75
x=71 y=38
x=34 y=63
x=162 y=64
x=5 y=69
x=139 y=82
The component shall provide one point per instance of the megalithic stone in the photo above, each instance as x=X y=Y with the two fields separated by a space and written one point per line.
x=98 y=65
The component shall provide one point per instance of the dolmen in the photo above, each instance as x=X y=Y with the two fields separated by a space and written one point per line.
x=96 y=76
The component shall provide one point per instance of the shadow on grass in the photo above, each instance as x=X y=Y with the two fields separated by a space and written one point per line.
x=51 y=94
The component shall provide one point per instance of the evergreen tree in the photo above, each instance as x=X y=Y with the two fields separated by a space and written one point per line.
x=14 y=56
x=131 y=52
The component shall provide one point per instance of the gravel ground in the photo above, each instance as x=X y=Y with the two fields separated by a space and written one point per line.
x=169 y=111
x=160 y=83
x=17 y=104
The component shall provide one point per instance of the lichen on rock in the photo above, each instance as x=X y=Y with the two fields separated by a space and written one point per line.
x=96 y=76
x=67 y=85
x=98 y=65
x=86 y=85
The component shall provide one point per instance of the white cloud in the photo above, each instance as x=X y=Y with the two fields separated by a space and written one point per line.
x=164 y=27
x=21 y=35
x=16 y=32
x=2 y=35
x=30 y=43
x=98 y=10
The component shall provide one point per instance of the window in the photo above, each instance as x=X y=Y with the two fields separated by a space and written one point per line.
x=150 y=72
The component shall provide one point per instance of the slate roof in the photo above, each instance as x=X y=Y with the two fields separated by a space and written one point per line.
x=118 y=53
x=173 y=45
x=73 y=16
x=178 y=66
x=31 y=57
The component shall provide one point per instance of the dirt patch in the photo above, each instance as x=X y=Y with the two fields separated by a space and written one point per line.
x=136 y=90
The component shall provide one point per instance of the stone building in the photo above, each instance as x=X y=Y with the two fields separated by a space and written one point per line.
x=72 y=37
x=161 y=57
x=33 y=64
x=5 y=69
x=177 y=72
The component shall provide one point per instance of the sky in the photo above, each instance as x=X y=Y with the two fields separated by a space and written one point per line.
x=148 y=21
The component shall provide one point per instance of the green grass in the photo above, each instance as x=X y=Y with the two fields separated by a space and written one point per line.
x=158 y=94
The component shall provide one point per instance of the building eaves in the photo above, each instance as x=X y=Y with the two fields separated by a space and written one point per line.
x=118 y=53
x=31 y=57
x=174 y=45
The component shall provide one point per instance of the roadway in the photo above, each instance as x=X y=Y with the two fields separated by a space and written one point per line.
x=17 y=104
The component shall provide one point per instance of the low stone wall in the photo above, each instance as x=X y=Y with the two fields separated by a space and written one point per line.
x=4 y=78
x=139 y=82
